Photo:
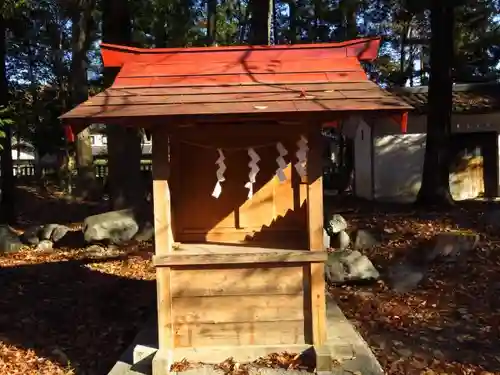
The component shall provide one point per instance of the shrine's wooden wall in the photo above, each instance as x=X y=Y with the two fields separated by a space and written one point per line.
x=238 y=306
x=275 y=214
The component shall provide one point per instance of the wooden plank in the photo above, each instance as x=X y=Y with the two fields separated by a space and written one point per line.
x=344 y=64
x=387 y=103
x=363 y=49
x=237 y=309
x=178 y=258
x=163 y=235
x=237 y=89
x=239 y=334
x=315 y=229
x=236 y=281
x=221 y=98
x=271 y=78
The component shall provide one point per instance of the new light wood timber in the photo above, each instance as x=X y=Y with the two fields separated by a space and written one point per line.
x=315 y=230
x=240 y=305
x=204 y=254
x=163 y=245
x=237 y=280
x=199 y=335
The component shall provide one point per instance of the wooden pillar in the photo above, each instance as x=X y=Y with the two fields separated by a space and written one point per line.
x=163 y=246
x=315 y=229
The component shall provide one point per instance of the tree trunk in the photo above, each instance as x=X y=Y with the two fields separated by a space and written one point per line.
x=57 y=41
x=7 y=200
x=81 y=24
x=435 y=189
x=159 y=27
x=261 y=22
x=349 y=22
x=294 y=21
x=124 y=144
x=212 y=22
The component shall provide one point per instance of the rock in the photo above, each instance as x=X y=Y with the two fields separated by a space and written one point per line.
x=343 y=266
x=97 y=251
x=341 y=240
x=334 y=270
x=364 y=239
x=115 y=226
x=404 y=277
x=53 y=232
x=335 y=225
x=146 y=233
x=94 y=250
x=31 y=235
x=450 y=245
x=45 y=245
x=46 y=230
x=362 y=268
x=9 y=241
x=59 y=232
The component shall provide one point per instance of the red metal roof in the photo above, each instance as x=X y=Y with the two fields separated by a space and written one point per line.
x=237 y=80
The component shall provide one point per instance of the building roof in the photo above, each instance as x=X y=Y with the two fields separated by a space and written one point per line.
x=242 y=80
x=467 y=98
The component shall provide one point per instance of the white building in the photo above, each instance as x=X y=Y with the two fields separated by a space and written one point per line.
x=99 y=143
x=389 y=163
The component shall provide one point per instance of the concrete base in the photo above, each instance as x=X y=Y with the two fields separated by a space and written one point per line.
x=344 y=345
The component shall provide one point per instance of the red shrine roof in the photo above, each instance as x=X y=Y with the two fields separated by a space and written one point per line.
x=237 y=80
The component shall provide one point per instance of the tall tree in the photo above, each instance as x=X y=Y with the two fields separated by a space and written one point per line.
x=211 y=22
x=435 y=188
x=7 y=185
x=124 y=143
x=82 y=23
x=261 y=13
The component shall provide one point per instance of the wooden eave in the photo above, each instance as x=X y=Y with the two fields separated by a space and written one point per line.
x=215 y=82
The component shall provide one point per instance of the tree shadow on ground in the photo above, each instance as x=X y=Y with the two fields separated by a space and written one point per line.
x=452 y=319
x=72 y=314
x=451 y=322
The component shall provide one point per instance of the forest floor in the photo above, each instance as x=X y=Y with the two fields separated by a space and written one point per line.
x=63 y=312
x=451 y=323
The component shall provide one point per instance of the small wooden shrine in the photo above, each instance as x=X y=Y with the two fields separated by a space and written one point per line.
x=238 y=198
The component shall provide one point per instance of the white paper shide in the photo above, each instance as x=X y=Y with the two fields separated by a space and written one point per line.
x=254 y=169
x=220 y=174
x=280 y=172
x=301 y=154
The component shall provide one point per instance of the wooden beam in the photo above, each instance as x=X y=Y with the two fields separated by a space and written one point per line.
x=315 y=229
x=240 y=255
x=163 y=242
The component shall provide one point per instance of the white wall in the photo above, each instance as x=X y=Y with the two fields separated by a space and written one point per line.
x=398 y=165
x=398 y=158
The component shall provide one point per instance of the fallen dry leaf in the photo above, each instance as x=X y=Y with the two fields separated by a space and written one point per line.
x=451 y=323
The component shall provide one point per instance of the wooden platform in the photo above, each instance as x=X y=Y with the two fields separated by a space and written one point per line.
x=238 y=295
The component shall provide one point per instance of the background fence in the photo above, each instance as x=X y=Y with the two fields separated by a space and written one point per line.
x=101 y=170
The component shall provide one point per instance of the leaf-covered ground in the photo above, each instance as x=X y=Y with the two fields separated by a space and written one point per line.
x=63 y=313
x=451 y=323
